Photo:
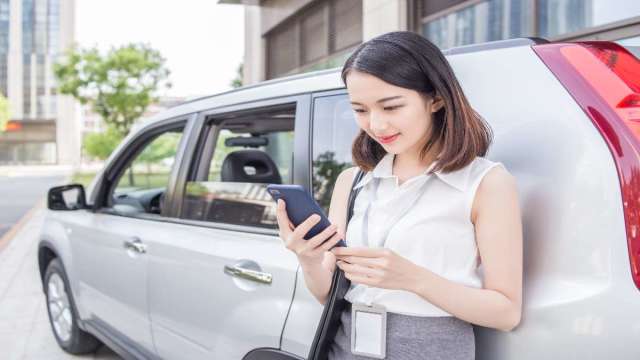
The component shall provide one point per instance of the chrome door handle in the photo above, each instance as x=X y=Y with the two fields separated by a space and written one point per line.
x=135 y=245
x=253 y=275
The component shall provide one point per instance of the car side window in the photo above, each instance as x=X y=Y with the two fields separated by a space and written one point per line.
x=334 y=129
x=229 y=180
x=141 y=187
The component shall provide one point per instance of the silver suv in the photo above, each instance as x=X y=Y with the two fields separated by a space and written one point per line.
x=175 y=252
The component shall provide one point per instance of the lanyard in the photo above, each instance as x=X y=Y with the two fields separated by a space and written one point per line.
x=365 y=219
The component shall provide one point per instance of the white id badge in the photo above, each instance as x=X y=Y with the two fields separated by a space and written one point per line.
x=369 y=330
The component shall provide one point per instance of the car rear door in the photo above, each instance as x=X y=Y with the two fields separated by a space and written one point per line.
x=220 y=279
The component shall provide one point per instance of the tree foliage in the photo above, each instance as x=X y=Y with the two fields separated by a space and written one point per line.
x=101 y=145
x=163 y=147
x=237 y=81
x=118 y=86
x=5 y=113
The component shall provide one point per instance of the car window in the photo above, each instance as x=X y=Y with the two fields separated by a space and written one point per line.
x=334 y=129
x=230 y=179
x=141 y=187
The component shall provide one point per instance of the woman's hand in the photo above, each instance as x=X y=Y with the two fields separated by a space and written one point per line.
x=377 y=267
x=310 y=251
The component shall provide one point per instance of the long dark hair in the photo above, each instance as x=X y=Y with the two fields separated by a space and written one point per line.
x=408 y=60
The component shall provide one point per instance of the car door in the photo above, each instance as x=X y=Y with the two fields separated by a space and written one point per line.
x=108 y=245
x=333 y=130
x=220 y=279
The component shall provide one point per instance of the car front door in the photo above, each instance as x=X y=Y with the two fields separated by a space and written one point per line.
x=108 y=245
x=220 y=279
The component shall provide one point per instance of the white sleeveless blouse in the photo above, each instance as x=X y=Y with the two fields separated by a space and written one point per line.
x=437 y=233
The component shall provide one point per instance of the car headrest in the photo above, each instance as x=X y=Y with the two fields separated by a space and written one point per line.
x=233 y=167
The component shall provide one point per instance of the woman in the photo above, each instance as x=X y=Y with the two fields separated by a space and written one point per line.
x=432 y=210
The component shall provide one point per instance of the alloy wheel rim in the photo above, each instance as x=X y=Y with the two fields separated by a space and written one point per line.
x=59 y=307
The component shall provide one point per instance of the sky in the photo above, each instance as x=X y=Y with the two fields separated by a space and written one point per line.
x=202 y=42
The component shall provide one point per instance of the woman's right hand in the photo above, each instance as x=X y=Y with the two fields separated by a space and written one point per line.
x=310 y=251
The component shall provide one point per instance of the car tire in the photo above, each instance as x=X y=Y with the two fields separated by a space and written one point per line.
x=63 y=315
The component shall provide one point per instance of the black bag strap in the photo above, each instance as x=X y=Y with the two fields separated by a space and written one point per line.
x=330 y=319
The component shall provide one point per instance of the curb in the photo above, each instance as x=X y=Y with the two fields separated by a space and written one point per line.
x=9 y=235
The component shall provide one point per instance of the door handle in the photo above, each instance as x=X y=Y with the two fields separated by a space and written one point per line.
x=253 y=275
x=136 y=245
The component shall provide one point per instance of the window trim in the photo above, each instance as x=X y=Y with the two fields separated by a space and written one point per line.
x=301 y=171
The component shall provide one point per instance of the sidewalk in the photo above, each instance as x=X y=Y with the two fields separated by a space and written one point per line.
x=25 y=332
x=35 y=170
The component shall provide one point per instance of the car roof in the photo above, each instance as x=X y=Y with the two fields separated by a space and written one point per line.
x=320 y=80
x=314 y=81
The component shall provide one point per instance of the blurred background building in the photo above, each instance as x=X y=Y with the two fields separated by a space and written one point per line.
x=44 y=126
x=93 y=123
x=284 y=37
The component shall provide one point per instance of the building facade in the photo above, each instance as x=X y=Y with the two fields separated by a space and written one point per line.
x=284 y=37
x=44 y=127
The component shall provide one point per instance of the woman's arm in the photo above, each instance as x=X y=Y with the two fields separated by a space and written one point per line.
x=498 y=230
x=318 y=278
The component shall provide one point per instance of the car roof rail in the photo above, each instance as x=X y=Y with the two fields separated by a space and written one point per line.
x=498 y=44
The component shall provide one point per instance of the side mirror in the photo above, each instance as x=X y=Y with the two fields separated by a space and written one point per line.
x=66 y=197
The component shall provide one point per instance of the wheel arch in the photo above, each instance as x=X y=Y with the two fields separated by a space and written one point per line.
x=46 y=253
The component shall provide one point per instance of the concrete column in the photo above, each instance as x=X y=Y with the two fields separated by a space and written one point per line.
x=254 y=52
x=382 y=16
x=48 y=74
x=68 y=129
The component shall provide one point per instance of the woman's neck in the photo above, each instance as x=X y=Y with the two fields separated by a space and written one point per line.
x=409 y=164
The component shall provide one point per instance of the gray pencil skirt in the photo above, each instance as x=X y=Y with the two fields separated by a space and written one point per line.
x=412 y=337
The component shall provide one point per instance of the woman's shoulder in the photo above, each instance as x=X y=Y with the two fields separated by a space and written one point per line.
x=340 y=195
x=486 y=171
x=480 y=164
x=348 y=173
x=344 y=180
x=492 y=173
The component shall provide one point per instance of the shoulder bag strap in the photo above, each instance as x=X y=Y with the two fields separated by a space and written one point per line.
x=330 y=319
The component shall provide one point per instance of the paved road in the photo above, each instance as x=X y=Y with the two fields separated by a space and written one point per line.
x=25 y=332
x=18 y=194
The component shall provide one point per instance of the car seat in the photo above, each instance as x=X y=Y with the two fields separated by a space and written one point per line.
x=233 y=167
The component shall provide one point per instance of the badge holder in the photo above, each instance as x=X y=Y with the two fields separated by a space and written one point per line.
x=369 y=330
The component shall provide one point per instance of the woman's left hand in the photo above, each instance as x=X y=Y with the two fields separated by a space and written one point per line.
x=377 y=267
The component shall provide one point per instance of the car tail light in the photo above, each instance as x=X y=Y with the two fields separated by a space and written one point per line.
x=604 y=79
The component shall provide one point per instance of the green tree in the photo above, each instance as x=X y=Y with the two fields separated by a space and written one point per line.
x=101 y=145
x=118 y=86
x=237 y=82
x=5 y=113
x=160 y=149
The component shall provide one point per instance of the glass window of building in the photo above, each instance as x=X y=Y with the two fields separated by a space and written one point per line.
x=40 y=32
x=315 y=37
x=4 y=45
x=558 y=17
x=455 y=23
x=481 y=21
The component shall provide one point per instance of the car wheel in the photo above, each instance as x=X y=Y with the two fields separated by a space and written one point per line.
x=63 y=315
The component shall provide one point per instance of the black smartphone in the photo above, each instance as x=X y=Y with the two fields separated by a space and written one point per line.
x=301 y=205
